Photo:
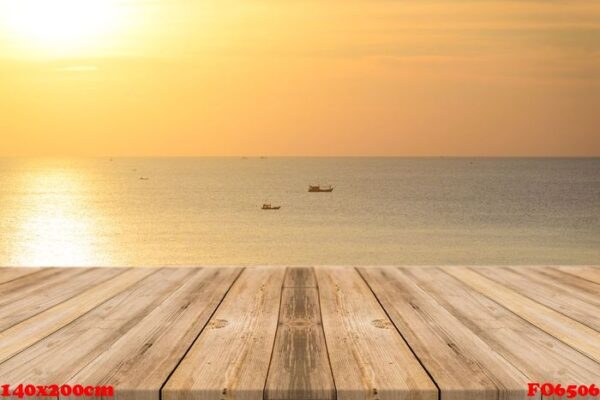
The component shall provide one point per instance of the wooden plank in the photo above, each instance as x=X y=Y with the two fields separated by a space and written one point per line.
x=590 y=273
x=41 y=294
x=573 y=333
x=298 y=277
x=8 y=274
x=62 y=354
x=369 y=358
x=29 y=282
x=26 y=333
x=134 y=337
x=580 y=287
x=462 y=365
x=141 y=360
x=574 y=297
x=230 y=359
x=299 y=364
x=540 y=356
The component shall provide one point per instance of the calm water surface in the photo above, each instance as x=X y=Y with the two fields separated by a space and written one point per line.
x=383 y=211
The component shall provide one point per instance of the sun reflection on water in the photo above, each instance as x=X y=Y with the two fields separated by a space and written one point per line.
x=56 y=223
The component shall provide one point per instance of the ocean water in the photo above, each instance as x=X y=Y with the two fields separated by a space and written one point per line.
x=191 y=211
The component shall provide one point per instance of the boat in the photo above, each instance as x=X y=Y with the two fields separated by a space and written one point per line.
x=319 y=188
x=143 y=178
x=268 y=206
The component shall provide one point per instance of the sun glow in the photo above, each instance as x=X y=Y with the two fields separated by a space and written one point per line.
x=56 y=222
x=60 y=27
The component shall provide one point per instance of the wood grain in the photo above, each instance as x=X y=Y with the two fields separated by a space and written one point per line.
x=590 y=273
x=59 y=356
x=575 y=334
x=30 y=282
x=300 y=365
x=26 y=333
x=540 y=356
x=8 y=274
x=579 y=287
x=298 y=277
x=43 y=292
x=369 y=358
x=230 y=359
x=301 y=333
x=463 y=366
x=574 y=297
x=141 y=360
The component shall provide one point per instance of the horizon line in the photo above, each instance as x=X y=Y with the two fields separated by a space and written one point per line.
x=300 y=156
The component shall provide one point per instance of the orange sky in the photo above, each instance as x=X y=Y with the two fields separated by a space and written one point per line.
x=233 y=77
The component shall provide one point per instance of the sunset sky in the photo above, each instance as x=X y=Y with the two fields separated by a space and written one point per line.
x=233 y=77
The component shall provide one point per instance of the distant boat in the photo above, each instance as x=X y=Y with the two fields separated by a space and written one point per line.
x=268 y=206
x=143 y=178
x=319 y=188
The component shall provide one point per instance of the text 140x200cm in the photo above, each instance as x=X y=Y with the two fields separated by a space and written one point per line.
x=30 y=390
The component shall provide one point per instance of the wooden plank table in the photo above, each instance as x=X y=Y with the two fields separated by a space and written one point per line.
x=372 y=333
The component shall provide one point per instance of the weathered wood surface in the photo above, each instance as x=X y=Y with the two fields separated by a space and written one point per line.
x=368 y=356
x=38 y=292
x=539 y=355
x=9 y=274
x=589 y=273
x=141 y=360
x=300 y=365
x=24 y=334
x=59 y=355
x=569 y=295
x=573 y=333
x=462 y=364
x=372 y=333
x=231 y=358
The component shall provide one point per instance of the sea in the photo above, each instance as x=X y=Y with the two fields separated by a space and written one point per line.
x=383 y=211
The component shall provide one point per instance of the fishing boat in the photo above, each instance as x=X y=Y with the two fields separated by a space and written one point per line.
x=268 y=206
x=319 y=188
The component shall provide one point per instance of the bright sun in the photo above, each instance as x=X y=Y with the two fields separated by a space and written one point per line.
x=60 y=27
